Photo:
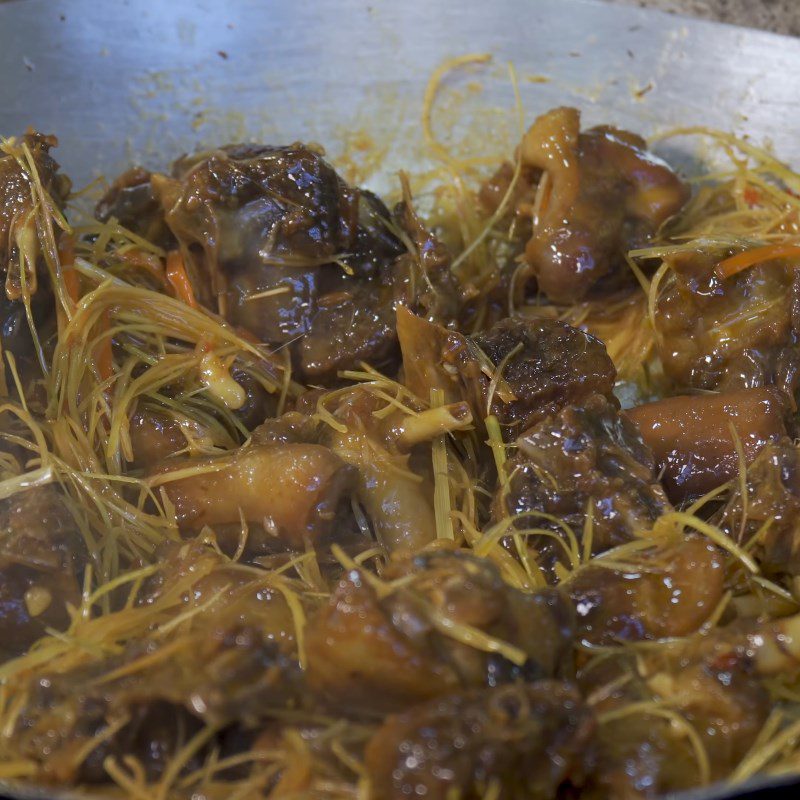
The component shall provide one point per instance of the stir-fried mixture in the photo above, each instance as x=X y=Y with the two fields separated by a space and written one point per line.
x=307 y=496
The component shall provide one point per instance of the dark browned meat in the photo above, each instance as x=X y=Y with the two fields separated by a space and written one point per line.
x=423 y=280
x=259 y=404
x=642 y=757
x=42 y=555
x=605 y=195
x=586 y=458
x=734 y=333
x=529 y=740
x=772 y=509
x=669 y=591
x=645 y=752
x=352 y=324
x=691 y=436
x=547 y=366
x=287 y=250
x=20 y=247
x=155 y=436
x=374 y=652
x=521 y=370
x=131 y=201
x=230 y=662
x=15 y=335
x=235 y=674
x=714 y=684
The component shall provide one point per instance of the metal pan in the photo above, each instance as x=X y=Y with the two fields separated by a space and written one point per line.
x=126 y=81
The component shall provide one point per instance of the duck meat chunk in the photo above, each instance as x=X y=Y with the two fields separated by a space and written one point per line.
x=397 y=498
x=291 y=491
x=667 y=591
x=42 y=555
x=381 y=652
x=739 y=332
x=19 y=229
x=132 y=202
x=547 y=366
x=521 y=370
x=531 y=741
x=278 y=243
x=693 y=437
x=604 y=195
x=423 y=279
x=587 y=459
x=770 y=514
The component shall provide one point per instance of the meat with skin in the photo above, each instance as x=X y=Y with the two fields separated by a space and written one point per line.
x=18 y=225
x=278 y=242
x=719 y=683
x=692 y=441
x=707 y=682
x=772 y=506
x=588 y=458
x=668 y=591
x=422 y=277
x=155 y=436
x=289 y=491
x=132 y=202
x=397 y=498
x=15 y=332
x=20 y=247
x=529 y=740
x=546 y=365
x=605 y=195
x=373 y=652
x=729 y=333
x=42 y=557
x=230 y=662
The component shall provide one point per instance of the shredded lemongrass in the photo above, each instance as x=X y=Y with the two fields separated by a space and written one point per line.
x=758 y=758
x=441 y=491
x=509 y=193
x=497 y=375
x=711 y=531
x=474 y=637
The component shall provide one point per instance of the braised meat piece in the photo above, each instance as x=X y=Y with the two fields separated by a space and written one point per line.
x=422 y=277
x=230 y=662
x=132 y=202
x=604 y=195
x=21 y=266
x=694 y=437
x=770 y=514
x=528 y=740
x=667 y=591
x=521 y=369
x=285 y=491
x=676 y=717
x=732 y=332
x=587 y=459
x=381 y=650
x=19 y=229
x=282 y=246
x=15 y=332
x=42 y=556
x=548 y=365
x=397 y=497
